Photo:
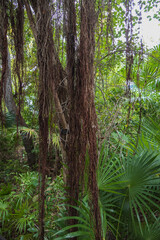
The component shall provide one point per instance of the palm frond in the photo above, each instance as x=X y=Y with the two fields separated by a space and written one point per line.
x=152 y=231
x=83 y=229
x=140 y=172
x=109 y=172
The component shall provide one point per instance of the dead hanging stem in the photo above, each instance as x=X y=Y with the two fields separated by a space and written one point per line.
x=58 y=23
x=140 y=102
x=109 y=28
x=50 y=75
x=129 y=53
x=42 y=20
x=72 y=147
x=138 y=79
x=87 y=107
x=82 y=123
x=31 y=19
x=17 y=24
x=3 y=50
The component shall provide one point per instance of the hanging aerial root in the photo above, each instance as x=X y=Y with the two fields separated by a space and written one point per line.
x=3 y=50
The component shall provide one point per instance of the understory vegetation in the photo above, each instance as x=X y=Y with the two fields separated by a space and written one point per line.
x=79 y=121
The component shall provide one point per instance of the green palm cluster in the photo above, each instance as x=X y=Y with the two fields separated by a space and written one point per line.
x=129 y=194
x=18 y=210
x=129 y=197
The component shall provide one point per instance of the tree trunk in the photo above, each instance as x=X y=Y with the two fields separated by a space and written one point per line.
x=82 y=121
x=81 y=114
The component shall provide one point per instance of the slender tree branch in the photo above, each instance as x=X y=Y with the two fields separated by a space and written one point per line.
x=31 y=19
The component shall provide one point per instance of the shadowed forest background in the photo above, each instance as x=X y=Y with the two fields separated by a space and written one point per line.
x=79 y=121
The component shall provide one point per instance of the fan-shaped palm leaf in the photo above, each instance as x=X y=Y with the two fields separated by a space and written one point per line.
x=142 y=181
x=83 y=229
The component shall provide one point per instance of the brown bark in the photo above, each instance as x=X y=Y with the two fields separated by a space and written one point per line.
x=129 y=54
x=59 y=87
x=3 y=48
x=31 y=19
x=82 y=116
x=86 y=80
x=50 y=74
x=44 y=102
x=73 y=145
x=82 y=122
